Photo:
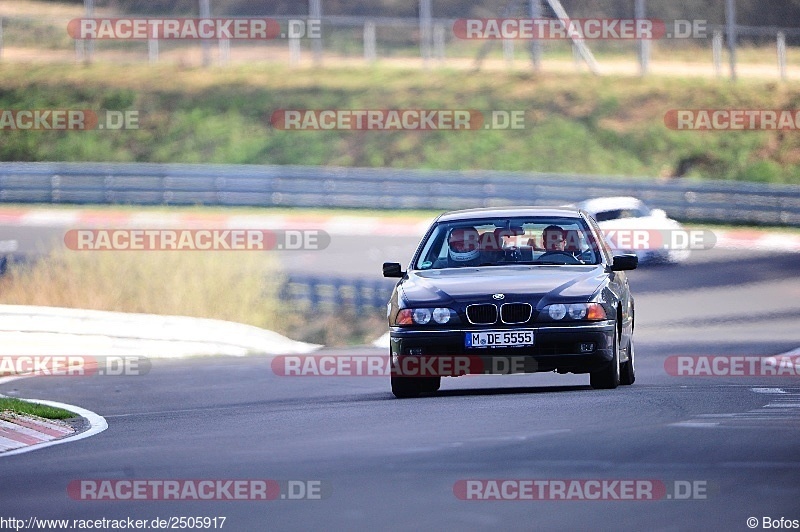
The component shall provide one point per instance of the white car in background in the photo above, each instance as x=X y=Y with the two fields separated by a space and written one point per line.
x=632 y=227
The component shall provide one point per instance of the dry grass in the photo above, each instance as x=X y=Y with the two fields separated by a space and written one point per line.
x=235 y=286
x=29 y=8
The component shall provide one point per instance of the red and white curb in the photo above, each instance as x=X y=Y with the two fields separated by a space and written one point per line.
x=754 y=239
x=21 y=434
x=331 y=224
x=18 y=430
x=352 y=225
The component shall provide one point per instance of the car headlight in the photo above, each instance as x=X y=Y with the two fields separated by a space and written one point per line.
x=423 y=316
x=442 y=315
x=557 y=311
x=575 y=311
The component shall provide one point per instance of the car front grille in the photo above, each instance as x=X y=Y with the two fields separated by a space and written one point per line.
x=515 y=312
x=483 y=314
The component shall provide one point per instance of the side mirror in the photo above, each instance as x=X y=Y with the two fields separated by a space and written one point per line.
x=658 y=213
x=624 y=262
x=392 y=269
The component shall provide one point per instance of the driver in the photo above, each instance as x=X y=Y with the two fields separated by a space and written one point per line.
x=464 y=247
x=556 y=241
x=554 y=238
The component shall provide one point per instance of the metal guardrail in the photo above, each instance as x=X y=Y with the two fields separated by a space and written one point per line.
x=335 y=293
x=382 y=188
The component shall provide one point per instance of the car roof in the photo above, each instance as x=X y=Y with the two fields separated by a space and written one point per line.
x=500 y=212
x=610 y=203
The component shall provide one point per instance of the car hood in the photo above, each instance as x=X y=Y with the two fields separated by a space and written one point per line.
x=518 y=283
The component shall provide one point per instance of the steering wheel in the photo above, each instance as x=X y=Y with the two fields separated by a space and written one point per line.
x=566 y=254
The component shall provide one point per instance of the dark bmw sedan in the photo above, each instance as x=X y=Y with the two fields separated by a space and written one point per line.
x=511 y=290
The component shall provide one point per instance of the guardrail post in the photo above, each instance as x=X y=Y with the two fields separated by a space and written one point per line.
x=370 y=52
x=640 y=12
x=315 y=13
x=87 y=48
x=285 y=291
x=535 y=9
x=224 y=52
x=439 y=42
x=782 y=55
x=294 y=51
x=508 y=52
x=338 y=294
x=716 y=52
x=730 y=21
x=205 y=12
x=152 y=51
x=425 y=30
x=378 y=299
x=313 y=293
x=358 y=296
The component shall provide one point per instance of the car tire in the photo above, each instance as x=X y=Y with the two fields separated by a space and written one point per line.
x=627 y=370
x=406 y=387
x=430 y=384
x=608 y=377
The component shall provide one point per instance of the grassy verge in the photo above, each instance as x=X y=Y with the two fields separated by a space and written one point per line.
x=241 y=287
x=235 y=286
x=575 y=123
x=24 y=407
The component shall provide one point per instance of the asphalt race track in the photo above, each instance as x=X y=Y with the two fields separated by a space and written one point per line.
x=384 y=463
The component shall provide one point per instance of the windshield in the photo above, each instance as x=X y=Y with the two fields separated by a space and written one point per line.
x=616 y=214
x=498 y=242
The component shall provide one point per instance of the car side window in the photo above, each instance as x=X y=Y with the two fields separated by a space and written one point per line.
x=435 y=249
x=604 y=216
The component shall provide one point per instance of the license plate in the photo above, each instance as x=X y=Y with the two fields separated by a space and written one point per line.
x=520 y=338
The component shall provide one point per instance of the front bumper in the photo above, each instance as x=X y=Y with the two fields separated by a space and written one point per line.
x=555 y=348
